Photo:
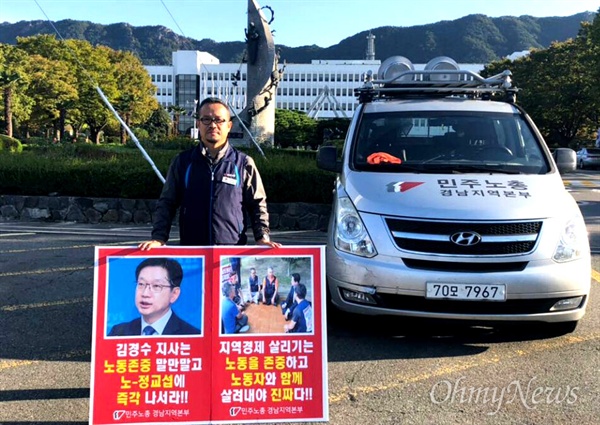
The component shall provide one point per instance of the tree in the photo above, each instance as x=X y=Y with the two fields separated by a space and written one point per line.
x=558 y=86
x=293 y=128
x=13 y=81
x=48 y=47
x=94 y=71
x=52 y=87
x=135 y=101
x=590 y=33
x=158 y=124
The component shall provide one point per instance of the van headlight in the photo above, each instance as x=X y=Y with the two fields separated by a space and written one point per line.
x=350 y=234
x=573 y=241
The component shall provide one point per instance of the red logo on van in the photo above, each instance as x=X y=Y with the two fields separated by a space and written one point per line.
x=402 y=186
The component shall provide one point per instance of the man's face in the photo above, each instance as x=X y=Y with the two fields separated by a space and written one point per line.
x=214 y=135
x=153 y=305
x=253 y=273
x=231 y=292
x=270 y=273
x=233 y=279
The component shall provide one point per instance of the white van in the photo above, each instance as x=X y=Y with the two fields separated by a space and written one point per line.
x=448 y=204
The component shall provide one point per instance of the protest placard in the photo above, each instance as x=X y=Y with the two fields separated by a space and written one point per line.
x=167 y=347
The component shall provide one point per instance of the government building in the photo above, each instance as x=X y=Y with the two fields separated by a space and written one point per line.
x=321 y=89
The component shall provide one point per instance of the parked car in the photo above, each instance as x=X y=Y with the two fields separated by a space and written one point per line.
x=588 y=158
x=449 y=205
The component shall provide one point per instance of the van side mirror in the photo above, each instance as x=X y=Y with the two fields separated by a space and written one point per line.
x=566 y=160
x=327 y=159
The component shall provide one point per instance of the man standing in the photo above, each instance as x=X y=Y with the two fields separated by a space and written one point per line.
x=158 y=286
x=214 y=186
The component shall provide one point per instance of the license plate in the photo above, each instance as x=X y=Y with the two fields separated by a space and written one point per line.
x=466 y=291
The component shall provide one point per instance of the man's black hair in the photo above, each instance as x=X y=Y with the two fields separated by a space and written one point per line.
x=173 y=268
x=211 y=101
x=300 y=291
x=226 y=288
x=296 y=277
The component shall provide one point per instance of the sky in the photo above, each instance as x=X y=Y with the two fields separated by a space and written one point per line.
x=296 y=22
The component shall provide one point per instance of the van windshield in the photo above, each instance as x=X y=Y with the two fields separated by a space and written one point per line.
x=433 y=141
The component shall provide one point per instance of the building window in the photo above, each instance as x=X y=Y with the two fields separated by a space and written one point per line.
x=170 y=78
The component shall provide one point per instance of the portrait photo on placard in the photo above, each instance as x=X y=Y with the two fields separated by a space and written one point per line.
x=154 y=296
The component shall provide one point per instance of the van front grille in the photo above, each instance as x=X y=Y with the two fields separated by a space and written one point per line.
x=471 y=238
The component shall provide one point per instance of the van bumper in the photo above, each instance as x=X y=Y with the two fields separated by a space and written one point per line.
x=387 y=287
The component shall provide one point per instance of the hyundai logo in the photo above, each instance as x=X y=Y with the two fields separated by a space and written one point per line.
x=466 y=238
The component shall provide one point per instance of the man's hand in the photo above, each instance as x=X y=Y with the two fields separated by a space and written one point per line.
x=148 y=245
x=269 y=242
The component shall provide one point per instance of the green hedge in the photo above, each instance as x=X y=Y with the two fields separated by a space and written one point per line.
x=121 y=172
x=10 y=144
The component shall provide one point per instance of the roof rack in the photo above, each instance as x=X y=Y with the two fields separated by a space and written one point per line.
x=435 y=83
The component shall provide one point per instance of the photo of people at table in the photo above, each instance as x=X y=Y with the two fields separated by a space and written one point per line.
x=266 y=295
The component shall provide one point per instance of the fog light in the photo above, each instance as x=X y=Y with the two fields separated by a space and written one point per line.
x=357 y=297
x=567 y=304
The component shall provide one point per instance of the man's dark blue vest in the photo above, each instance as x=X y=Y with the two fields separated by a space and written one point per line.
x=212 y=211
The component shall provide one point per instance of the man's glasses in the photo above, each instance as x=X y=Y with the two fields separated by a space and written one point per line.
x=208 y=121
x=154 y=287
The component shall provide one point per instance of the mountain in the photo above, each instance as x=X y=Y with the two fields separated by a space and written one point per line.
x=471 y=39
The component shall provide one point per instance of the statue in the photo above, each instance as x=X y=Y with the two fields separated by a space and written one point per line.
x=258 y=117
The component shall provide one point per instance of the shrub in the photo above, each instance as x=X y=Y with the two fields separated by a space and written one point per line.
x=172 y=143
x=33 y=141
x=121 y=172
x=10 y=144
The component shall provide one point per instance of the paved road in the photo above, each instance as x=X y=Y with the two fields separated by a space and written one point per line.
x=381 y=370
